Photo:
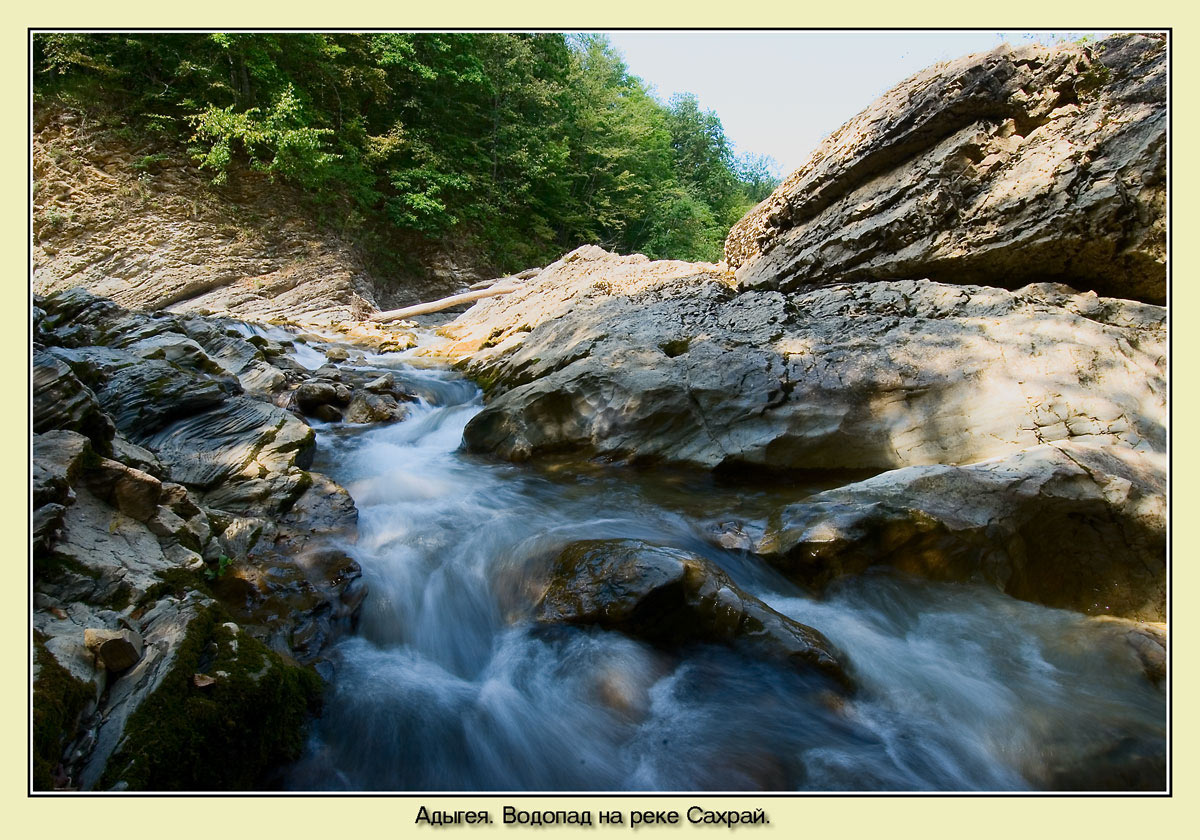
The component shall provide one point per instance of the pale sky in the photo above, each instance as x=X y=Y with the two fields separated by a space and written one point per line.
x=781 y=93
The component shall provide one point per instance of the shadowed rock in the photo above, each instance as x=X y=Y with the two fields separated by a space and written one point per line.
x=671 y=597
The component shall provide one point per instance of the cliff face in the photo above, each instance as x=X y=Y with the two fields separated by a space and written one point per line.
x=998 y=169
x=144 y=228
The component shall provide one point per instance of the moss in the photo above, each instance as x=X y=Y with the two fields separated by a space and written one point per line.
x=58 y=701
x=227 y=736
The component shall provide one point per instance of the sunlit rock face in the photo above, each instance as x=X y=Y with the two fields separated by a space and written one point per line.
x=1002 y=168
x=667 y=362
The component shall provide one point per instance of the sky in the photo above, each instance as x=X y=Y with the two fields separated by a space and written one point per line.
x=781 y=93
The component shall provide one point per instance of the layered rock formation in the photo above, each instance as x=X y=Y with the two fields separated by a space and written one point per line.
x=1020 y=165
x=918 y=298
x=172 y=498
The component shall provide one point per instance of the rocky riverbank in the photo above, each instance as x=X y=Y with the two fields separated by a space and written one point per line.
x=187 y=563
x=913 y=303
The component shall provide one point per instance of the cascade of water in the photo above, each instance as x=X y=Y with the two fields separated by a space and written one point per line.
x=448 y=685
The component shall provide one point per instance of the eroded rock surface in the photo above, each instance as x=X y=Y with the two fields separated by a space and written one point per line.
x=196 y=499
x=627 y=358
x=671 y=597
x=1065 y=524
x=1003 y=168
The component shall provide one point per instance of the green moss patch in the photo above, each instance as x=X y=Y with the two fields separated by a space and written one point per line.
x=227 y=735
x=58 y=701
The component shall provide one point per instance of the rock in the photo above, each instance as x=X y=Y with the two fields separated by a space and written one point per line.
x=313 y=394
x=1147 y=642
x=398 y=344
x=337 y=354
x=1063 y=524
x=136 y=456
x=240 y=440
x=47 y=527
x=103 y=556
x=327 y=414
x=144 y=398
x=373 y=408
x=61 y=401
x=1002 y=168
x=668 y=596
x=383 y=385
x=667 y=363
x=176 y=349
x=131 y=491
x=58 y=460
x=117 y=650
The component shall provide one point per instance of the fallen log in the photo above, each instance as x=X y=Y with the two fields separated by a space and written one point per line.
x=443 y=303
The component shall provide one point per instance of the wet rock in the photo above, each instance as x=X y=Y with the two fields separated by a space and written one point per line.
x=1001 y=168
x=671 y=597
x=1063 y=524
x=116 y=650
x=373 y=408
x=337 y=354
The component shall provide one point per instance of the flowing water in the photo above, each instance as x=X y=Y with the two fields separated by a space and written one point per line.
x=448 y=684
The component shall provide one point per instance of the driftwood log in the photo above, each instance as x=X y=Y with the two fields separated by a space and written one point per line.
x=443 y=303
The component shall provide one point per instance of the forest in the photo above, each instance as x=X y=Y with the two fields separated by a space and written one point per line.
x=519 y=145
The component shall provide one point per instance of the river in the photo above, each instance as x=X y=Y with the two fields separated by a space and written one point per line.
x=449 y=686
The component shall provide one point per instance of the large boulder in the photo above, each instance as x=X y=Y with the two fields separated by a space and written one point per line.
x=669 y=596
x=1002 y=168
x=1064 y=524
x=624 y=357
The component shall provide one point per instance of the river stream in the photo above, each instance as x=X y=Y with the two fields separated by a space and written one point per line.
x=449 y=686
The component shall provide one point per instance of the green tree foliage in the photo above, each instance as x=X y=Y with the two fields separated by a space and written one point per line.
x=523 y=144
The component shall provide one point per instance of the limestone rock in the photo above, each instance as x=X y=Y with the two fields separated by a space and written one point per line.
x=666 y=362
x=1003 y=168
x=1065 y=524
x=669 y=596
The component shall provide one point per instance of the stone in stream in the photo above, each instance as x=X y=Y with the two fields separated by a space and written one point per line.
x=671 y=597
x=1065 y=524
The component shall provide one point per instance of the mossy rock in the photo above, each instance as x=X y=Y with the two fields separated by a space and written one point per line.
x=225 y=736
x=58 y=701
